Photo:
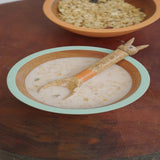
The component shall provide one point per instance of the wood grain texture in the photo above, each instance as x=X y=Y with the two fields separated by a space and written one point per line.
x=4 y=155
x=127 y=132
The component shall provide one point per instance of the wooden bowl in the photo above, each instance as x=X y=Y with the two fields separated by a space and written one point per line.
x=17 y=75
x=150 y=7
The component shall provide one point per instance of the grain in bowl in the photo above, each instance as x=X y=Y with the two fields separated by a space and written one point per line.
x=100 y=15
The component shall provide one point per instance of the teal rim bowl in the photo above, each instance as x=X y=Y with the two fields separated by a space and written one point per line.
x=141 y=89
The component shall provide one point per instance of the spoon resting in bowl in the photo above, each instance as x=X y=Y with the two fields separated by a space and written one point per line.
x=76 y=81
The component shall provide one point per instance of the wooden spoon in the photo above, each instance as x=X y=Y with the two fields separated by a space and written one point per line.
x=76 y=81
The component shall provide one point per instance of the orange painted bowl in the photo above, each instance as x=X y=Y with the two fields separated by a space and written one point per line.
x=17 y=76
x=150 y=7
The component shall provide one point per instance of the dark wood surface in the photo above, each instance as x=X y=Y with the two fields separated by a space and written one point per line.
x=129 y=133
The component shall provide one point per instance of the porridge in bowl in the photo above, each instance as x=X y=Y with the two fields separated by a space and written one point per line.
x=105 y=88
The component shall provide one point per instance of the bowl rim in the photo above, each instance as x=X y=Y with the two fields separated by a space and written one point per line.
x=47 y=9
x=11 y=83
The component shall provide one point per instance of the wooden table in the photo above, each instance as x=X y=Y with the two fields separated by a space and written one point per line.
x=129 y=133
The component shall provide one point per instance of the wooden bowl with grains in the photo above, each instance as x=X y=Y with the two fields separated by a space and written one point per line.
x=105 y=18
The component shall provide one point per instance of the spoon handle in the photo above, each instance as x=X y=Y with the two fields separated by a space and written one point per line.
x=101 y=65
x=108 y=61
x=120 y=53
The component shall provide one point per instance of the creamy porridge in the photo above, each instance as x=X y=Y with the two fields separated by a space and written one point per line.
x=103 y=89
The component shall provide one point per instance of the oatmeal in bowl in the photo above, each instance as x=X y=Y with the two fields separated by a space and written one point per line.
x=106 y=18
x=100 y=15
x=116 y=87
